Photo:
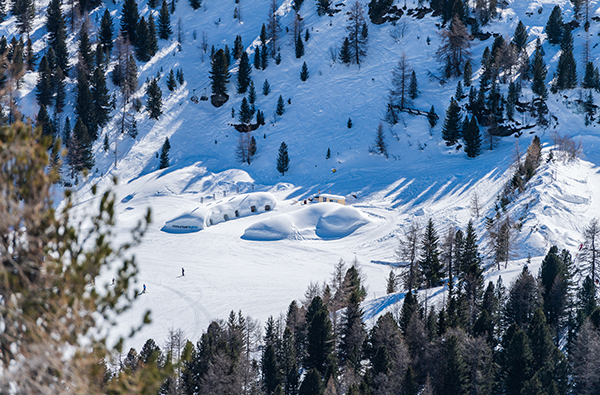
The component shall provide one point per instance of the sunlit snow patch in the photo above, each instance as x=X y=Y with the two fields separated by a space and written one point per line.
x=321 y=220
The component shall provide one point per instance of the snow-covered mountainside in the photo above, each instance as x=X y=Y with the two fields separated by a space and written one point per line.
x=261 y=261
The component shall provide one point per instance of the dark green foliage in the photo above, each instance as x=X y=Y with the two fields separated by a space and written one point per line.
x=323 y=7
x=152 y=41
x=85 y=50
x=251 y=94
x=196 y=4
x=591 y=77
x=280 y=109
x=349 y=124
x=129 y=20
x=107 y=32
x=179 y=76
x=171 y=82
x=266 y=88
x=432 y=117
x=312 y=384
x=283 y=165
x=520 y=37
x=43 y=122
x=345 y=56
x=410 y=306
x=517 y=365
x=328 y=155
x=377 y=10
x=304 y=72
x=30 y=56
x=459 y=91
x=24 y=12
x=319 y=337
x=245 y=113
x=278 y=58
x=101 y=97
x=154 y=101
x=84 y=105
x=566 y=71
x=380 y=145
x=142 y=51
x=271 y=371
x=467 y=73
x=452 y=123
x=82 y=147
x=353 y=332
x=413 y=87
x=263 y=35
x=554 y=282
x=410 y=386
x=57 y=35
x=260 y=118
x=164 y=155
x=238 y=47
x=297 y=5
x=257 y=60
x=455 y=373
x=554 y=27
x=60 y=88
x=44 y=83
x=539 y=72
x=306 y=35
x=299 y=49
x=523 y=300
x=472 y=138
x=219 y=74
x=429 y=263
x=105 y=143
x=264 y=57
x=244 y=71
x=164 y=22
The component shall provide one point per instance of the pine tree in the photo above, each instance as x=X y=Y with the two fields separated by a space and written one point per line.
x=356 y=39
x=413 y=88
x=273 y=28
x=452 y=123
x=380 y=145
x=260 y=118
x=353 y=332
x=257 y=60
x=280 y=110
x=312 y=384
x=24 y=12
x=349 y=124
x=44 y=83
x=323 y=7
x=554 y=26
x=30 y=56
x=304 y=72
x=101 y=98
x=459 y=91
x=60 y=87
x=171 y=82
x=429 y=264
x=328 y=154
x=85 y=50
x=43 y=122
x=219 y=74
x=238 y=47
x=345 y=56
x=84 y=146
x=266 y=88
x=590 y=77
x=152 y=40
x=539 y=72
x=566 y=71
x=516 y=369
x=299 y=47
x=107 y=32
x=105 y=143
x=399 y=93
x=455 y=373
x=195 y=4
x=472 y=138
x=179 y=76
x=142 y=50
x=319 y=338
x=520 y=37
x=283 y=161
x=129 y=20
x=244 y=71
x=164 y=155
x=164 y=22
x=432 y=117
x=84 y=106
x=154 y=102
x=264 y=57
x=251 y=94
x=57 y=34
x=467 y=73
x=245 y=113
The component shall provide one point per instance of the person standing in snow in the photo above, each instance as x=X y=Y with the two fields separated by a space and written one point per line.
x=144 y=288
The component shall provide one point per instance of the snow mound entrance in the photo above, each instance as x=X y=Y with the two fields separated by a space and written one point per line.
x=315 y=221
x=186 y=223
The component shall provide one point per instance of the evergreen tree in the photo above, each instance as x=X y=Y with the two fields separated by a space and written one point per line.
x=57 y=35
x=266 y=88
x=539 y=72
x=129 y=20
x=380 y=145
x=413 y=88
x=518 y=361
x=349 y=124
x=244 y=71
x=452 y=123
x=24 y=12
x=142 y=50
x=164 y=155
x=171 y=82
x=432 y=117
x=590 y=77
x=30 y=56
x=283 y=161
x=304 y=72
x=566 y=71
x=459 y=91
x=101 y=98
x=219 y=74
x=245 y=113
x=377 y=10
x=299 y=47
x=472 y=138
x=154 y=102
x=353 y=332
x=84 y=106
x=312 y=384
x=164 y=22
x=429 y=263
x=264 y=57
x=356 y=38
x=271 y=372
x=523 y=300
x=554 y=278
x=44 y=83
x=410 y=386
x=323 y=7
x=179 y=76
x=60 y=87
x=107 y=32
x=455 y=373
x=83 y=146
x=319 y=338
x=251 y=94
x=467 y=73
x=345 y=56
x=520 y=37
x=238 y=47
x=152 y=40
x=260 y=118
x=195 y=4
x=257 y=60
x=43 y=122
x=85 y=50
x=280 y=110
x=554 y=26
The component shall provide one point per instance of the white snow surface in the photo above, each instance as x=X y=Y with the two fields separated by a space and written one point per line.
x=259 y=263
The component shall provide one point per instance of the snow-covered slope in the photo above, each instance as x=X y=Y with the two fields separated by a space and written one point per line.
x=232 y=265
